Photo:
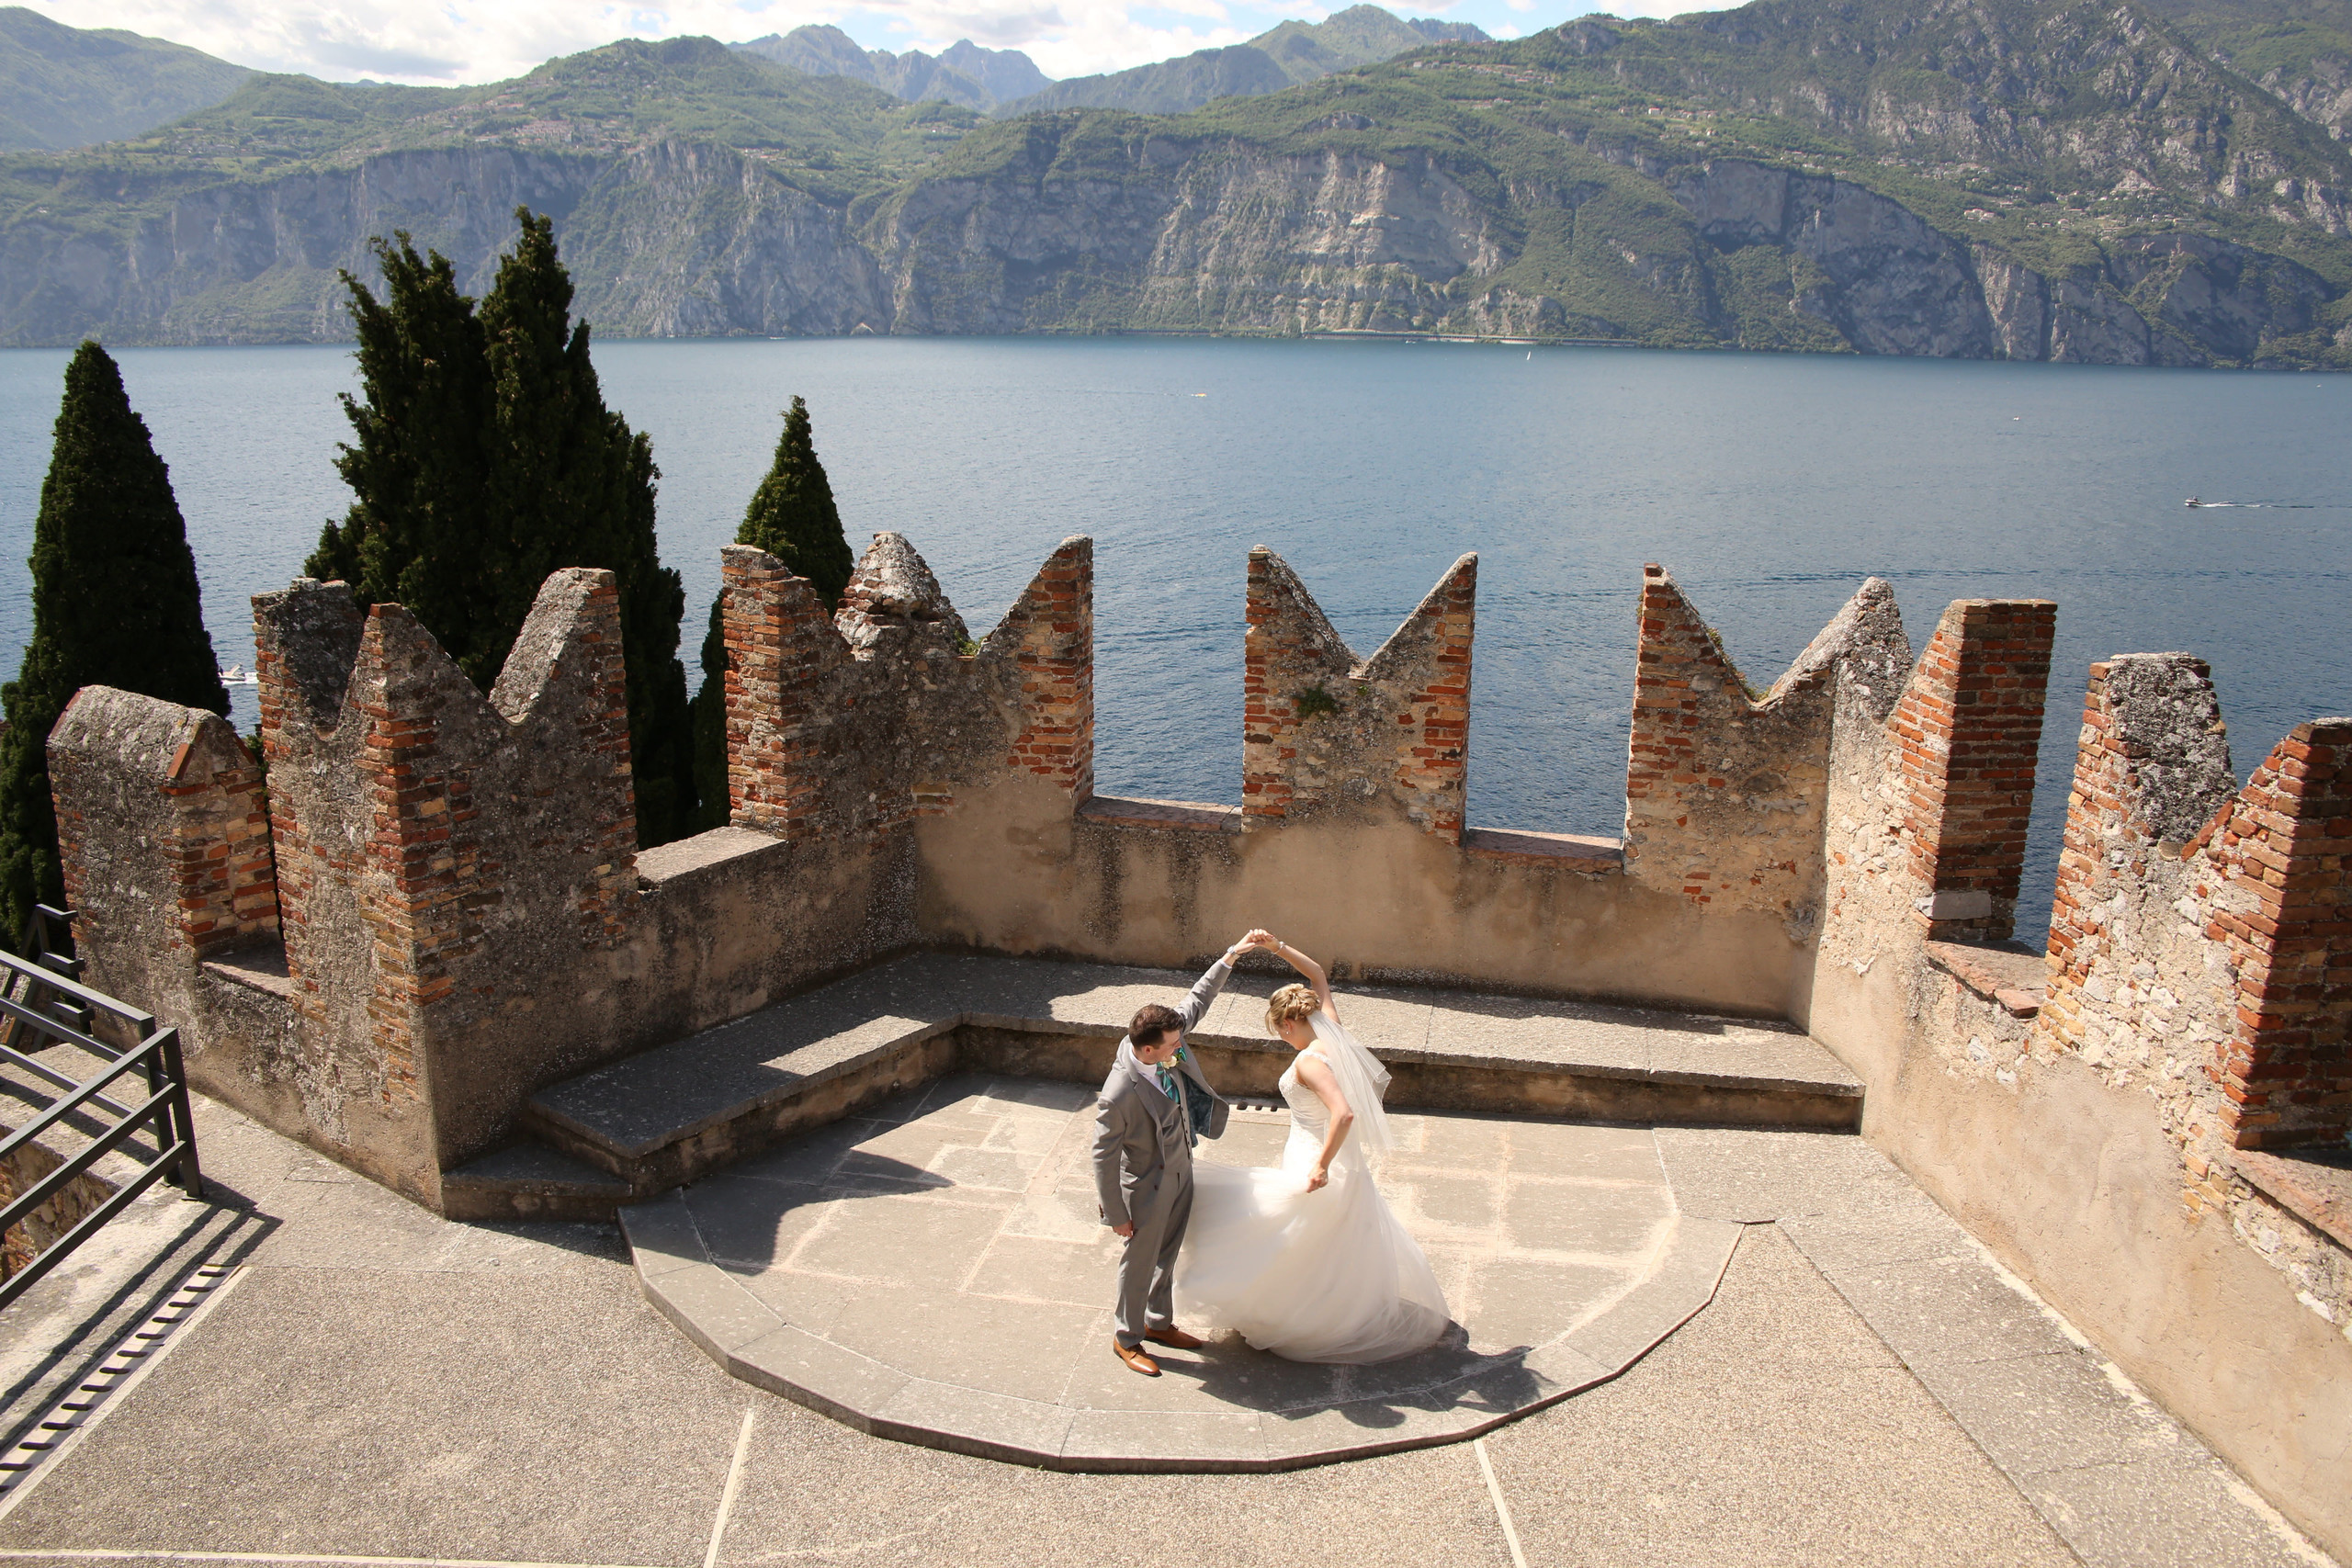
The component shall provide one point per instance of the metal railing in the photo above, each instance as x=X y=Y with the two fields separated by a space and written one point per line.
x=44 y=1006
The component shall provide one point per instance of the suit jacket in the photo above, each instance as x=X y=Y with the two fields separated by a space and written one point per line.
x=1141 y=1133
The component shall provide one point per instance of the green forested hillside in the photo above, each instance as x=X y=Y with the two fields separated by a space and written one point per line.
x=63 y=87
x=2299 y=50
x=833 y=136
x=2028 y=178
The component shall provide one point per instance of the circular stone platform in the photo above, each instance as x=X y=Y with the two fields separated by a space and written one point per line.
x=933 y=1270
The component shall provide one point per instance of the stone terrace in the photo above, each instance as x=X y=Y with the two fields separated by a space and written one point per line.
x=937 y=1271
x=370 y=1381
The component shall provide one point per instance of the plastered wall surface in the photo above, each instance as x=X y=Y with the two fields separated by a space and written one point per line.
x=1015 y=871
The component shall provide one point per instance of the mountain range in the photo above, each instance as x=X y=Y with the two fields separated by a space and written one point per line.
x=2093 y=180
x=964 y=73
x=1286 y=56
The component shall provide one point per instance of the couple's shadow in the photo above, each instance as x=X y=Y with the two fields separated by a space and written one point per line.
x=1448 y=1376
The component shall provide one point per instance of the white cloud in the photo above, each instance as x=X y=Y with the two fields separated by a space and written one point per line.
x=448 y=41
x=475 y=40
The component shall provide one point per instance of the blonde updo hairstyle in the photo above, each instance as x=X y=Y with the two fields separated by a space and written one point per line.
x=1293 y=1004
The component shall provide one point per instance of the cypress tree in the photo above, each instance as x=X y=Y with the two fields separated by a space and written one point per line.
x=115 y=603
x=418 y=469
x=486 y=459
x=792 y=516
x=572 y=485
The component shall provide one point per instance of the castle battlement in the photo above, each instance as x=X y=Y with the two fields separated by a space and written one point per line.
x=853 y=724
x=444 y=910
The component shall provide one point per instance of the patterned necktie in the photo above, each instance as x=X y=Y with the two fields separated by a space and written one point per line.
x=1169 y=1087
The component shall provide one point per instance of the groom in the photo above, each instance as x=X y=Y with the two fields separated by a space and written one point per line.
x=1154 y=1105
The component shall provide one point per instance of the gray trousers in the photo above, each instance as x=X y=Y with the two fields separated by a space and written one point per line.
x=1148 y=1264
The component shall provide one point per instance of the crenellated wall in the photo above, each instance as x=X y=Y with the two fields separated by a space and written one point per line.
x=1351 y=839
x=1970 y=721
x=848 y=728
x=1725 y=786
x=447 y=911
x=2078 y=1109
x=162 y=836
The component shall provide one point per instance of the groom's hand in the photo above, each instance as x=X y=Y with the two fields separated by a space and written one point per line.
x=1123 y=1230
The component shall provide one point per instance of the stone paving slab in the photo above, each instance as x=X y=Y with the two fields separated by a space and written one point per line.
x=735 y=1072
x=2117 y=1479
x=935 y=1272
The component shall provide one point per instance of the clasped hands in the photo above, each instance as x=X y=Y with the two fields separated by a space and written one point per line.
x=1256 y=937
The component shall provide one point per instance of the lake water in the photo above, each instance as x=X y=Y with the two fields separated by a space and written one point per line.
x=1771 y=487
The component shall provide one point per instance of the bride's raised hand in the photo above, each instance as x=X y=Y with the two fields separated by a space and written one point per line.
x=1258 y=937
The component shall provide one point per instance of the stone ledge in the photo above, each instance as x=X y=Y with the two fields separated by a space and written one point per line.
x=1569 y=851
x=530 y=1181
x=685 y=1110
x=684 y=857
x=2314 y=1185
x=260 y=969
x=2009 y=974
x=1185 y=816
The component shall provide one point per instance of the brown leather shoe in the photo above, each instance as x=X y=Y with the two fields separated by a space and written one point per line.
x=1171 y=1335
x=1135 y=1359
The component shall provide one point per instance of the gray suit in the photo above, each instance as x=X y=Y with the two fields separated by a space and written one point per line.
x=1143 y=1168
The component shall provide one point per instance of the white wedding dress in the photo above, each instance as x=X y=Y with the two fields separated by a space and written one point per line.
x=1322 y=1276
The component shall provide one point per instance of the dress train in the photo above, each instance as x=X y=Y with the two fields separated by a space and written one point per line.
x=1323 y=1276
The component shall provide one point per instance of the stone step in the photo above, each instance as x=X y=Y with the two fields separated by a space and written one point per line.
x=26 y=1095
x=681 y=1110
x=531 y=1182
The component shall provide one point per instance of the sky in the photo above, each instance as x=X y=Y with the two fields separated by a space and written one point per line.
x=446 y=42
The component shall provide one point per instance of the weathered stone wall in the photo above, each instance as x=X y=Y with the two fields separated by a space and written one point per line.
x=1971 y=726
x=465 y=915
x=24 y=1169
x=2286 y=845
x=450 y=853
x=1327 y=735
x=844 y=729
x=164 y=841
x=2081 y=1127
x=1725 y=787
x=1350 y=840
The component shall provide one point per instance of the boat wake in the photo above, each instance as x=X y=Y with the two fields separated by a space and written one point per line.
x=2251 y=506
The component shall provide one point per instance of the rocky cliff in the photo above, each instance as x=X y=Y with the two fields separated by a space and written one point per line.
x=255 y=261
x=2297 y=50
x=680 y=239
x=964 y=73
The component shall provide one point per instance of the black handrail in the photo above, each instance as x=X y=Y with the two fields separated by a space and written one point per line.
x=37 y=994
x=49 y=943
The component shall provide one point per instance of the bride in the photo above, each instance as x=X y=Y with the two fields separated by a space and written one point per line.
x=1306 y=1259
